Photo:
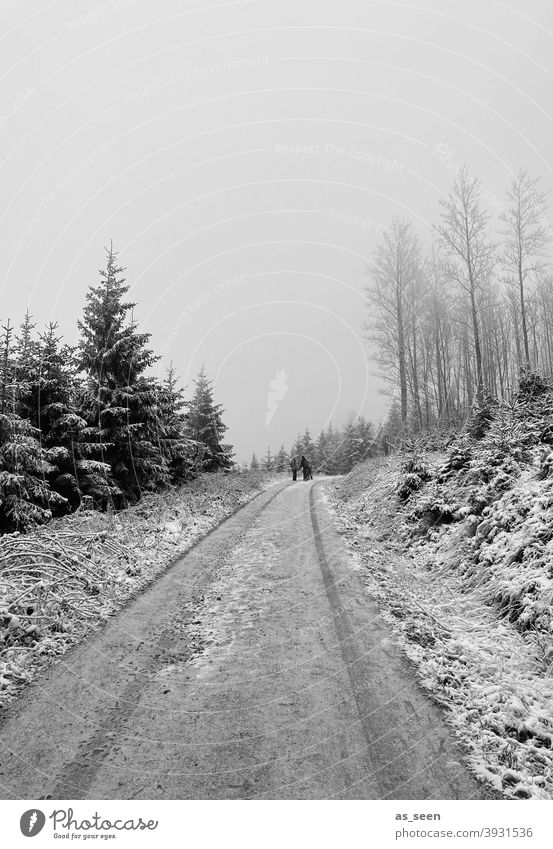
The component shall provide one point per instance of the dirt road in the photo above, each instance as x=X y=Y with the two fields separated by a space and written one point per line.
x=254 y=668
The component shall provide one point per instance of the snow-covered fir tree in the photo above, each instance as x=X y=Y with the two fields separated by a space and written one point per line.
x=25 y=496
x=307 y=445
x=282 y=460
x=7 y=368
x=356 y=443
x=177 y=447
x=393 y=426
x=204 y=425
x=52 y=405
x=268 y=461
x=326 y=451
x=120 y=402
x=25 y=370
x=296 y=449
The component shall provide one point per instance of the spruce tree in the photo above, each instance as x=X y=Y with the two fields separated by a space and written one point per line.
x=366 y=439
x=268 y=461
x=53 y=405
x=356 y=443
x=254 y=465
x=308 y=448
x=393 y=427
x=7 y=369
x=46 y=383
x=332 y=446
x=25 y=496
x=25 y=371
x=119 y=403
x=322 y=453
x=282 y=460
x=179 y=451
x=297 y=450
x=204 y=425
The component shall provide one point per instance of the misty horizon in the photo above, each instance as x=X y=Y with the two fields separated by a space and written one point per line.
x=245 y=161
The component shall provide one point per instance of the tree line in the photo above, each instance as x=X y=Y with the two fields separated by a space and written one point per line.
x=334 y=452
x=91 y=420
x=454 y=329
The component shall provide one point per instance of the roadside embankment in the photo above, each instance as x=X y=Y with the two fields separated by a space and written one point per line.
x=63 y=580
x=456 y=549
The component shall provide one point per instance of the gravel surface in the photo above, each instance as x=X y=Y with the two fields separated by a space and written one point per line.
x=255 y=667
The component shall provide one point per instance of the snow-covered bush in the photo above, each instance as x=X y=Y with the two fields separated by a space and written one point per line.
x=414 y=474
x=482 y=416
x=511 y=553
x=532 y=385
x=546 y=464
x=509 y=435
x=459 y=457
x=436 y=509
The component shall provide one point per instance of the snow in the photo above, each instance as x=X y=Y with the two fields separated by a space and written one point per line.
x=468 y=593
x=60 y=582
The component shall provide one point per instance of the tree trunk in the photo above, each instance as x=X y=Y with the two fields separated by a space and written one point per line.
x=477 y=348
x=523 y=316
x=402 y=361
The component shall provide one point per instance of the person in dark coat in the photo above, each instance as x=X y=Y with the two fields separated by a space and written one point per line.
x=307 y=471
x=294 y=466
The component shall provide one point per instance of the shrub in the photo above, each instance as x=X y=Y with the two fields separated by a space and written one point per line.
x=414 y=474
x=532 y=385
x=482 y=416
x=459 y=458
x=436 y=510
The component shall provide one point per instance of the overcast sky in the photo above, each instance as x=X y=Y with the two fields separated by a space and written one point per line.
x=243 y=157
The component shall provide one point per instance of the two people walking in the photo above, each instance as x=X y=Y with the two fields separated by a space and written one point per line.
x=304 y=464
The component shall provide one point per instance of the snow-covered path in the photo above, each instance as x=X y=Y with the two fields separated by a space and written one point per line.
x=254 y=668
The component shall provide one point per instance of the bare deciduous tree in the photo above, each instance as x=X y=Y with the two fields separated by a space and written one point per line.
x=394 y=273
x=464 y=237
x=527 y=234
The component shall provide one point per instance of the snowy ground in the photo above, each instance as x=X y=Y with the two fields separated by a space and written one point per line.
x=64 y=580
x=252 y=669
x=470 y=610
